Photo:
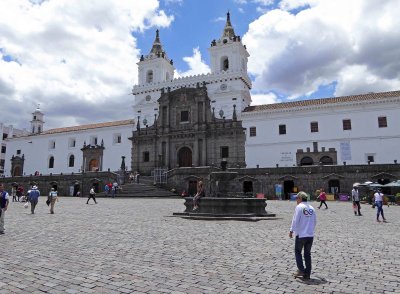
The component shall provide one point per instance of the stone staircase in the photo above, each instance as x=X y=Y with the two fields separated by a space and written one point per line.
x=145 y=188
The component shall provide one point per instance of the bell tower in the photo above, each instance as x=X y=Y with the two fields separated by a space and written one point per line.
x=155 y=67
x=37 y=121
x=228 y=54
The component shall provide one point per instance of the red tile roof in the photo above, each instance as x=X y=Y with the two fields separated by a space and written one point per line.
x=323 y=101
x=89 y=126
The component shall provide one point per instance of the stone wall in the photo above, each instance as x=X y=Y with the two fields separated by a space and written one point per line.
x=66 y=184
x=307 y=178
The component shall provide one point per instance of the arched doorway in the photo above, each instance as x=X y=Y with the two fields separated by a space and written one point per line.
x=288 y=188
x=185 y=157
x=334 y=186
x=247 y=187
x=17 y=172
x=93 y=165
x=192 y=189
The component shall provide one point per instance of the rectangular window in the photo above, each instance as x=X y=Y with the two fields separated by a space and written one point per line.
x=346 y=124
x=3 y=149
x=117 y=138
x=184 y=116
x=224 y=152
x=18 y=152
x=5 y=136
x=370 y=158
x=71 y=142
x=253 y=131
x=52 y=144
x=146 y=156
x=314 y=127
x=282 y=129
x=382 y=122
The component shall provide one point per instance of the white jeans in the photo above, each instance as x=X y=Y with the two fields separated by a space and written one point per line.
x=2 y=220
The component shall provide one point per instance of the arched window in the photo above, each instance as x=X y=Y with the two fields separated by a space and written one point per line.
x=39 y=129
x=224 y=63
x=326 y=160
x=71 y=161
x=306 y=161
x=51 y=162
x=33 y=129
x=149 y=76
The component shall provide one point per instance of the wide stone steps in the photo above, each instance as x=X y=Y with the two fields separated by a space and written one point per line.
x=142 y=189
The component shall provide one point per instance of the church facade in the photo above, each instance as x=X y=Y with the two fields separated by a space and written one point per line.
x=187 y=133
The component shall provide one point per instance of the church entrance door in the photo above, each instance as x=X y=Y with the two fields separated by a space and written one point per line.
x=93 y=165
x=17 y=172
x=185 y=157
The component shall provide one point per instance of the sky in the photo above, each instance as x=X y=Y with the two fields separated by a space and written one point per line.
x=77 y=59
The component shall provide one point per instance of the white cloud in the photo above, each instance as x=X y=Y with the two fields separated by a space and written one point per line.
x=329 y=41
x=196 y=65
x=264 y=98
x=76 y=58
x=169 y=2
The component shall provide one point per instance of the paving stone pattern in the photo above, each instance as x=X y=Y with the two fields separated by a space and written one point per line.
x=134 y=246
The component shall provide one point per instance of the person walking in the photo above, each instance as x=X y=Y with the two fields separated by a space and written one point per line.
x=378 y=198
x=107 y=189
x=33 y=197
x=4 y=200
x=20 y=192
x=355 y=197
x=303 y=226
x=322 y=198
x=200 y=193
x=92 y=194
x=14 y=194
x=53 y=197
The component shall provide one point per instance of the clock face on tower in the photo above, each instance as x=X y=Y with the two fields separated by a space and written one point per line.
x=223 y=87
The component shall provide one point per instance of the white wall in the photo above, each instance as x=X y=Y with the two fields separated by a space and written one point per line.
x=365 y=137
x=37 y=152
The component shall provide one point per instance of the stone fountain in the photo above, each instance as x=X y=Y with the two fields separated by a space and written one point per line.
x=224 y=202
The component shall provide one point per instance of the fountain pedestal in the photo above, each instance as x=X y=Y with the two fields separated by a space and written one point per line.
x=220 y=205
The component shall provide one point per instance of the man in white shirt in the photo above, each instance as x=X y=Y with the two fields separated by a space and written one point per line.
x=4 y=200
x=303 y=226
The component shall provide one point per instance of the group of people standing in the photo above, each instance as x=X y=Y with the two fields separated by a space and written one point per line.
x=112 y=188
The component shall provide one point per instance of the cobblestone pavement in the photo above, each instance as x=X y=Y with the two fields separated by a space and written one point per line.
x=133 y=246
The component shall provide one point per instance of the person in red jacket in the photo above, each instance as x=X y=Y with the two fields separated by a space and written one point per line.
x=322 y=198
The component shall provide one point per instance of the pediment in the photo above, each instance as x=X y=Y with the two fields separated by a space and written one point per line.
x=288 y=177
x=333 y=176
x=247 y=178
x=192 y=178
x=95 y=180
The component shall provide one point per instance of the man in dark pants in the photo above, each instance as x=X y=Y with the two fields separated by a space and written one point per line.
x=92 y=195
x=34 y=194
x=303 y=225
x=355 y=196
x=4 y=201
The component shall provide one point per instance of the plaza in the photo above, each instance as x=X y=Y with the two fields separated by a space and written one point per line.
x=135 y=246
